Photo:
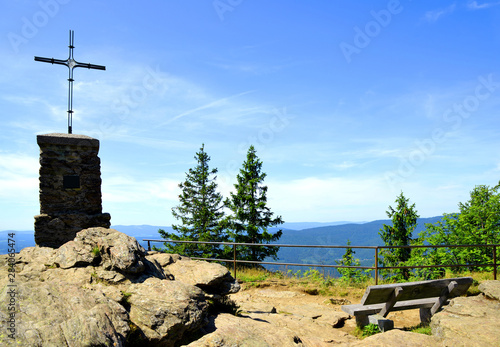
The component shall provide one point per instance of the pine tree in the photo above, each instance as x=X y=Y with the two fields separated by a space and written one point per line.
x=200 y=212
x=351 y=274
x=404 y=221
x=251 y=217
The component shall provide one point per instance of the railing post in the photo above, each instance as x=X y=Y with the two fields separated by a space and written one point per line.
x=234 y=260
x=149 y=245
x=376 y=265
x=495 y=262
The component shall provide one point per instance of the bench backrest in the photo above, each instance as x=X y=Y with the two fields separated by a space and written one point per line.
x=414 y=290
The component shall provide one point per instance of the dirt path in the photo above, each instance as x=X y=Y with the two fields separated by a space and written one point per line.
x=286 y=300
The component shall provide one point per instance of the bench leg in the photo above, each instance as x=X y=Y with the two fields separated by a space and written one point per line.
x=425 y=316
x=362 y=320
x=383 y=323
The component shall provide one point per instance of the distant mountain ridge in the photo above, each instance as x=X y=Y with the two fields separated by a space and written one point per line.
x=335 y=233
x=309 y=225
x=153 y=230
x=366 y=234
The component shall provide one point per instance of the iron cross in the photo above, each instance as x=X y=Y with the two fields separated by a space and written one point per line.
x=71 y=64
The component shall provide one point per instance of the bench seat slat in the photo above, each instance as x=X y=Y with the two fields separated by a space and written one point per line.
x=359 y=309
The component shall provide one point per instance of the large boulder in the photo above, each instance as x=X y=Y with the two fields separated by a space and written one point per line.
x=57 y=313
x=271 y=329
x=166 y=310
x=229 y=330
x=468 y=321
x=491 y=289
x=102 y=289
x=211 y=277
x=115 y=250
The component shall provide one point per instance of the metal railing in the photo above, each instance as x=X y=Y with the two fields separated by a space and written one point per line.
x=376 y=267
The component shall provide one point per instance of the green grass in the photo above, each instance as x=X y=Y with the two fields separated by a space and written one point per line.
x=96 y=252
x=313 y=282
x=126 y=296
x=254 y=274
x=310 y=281
x=366 y=331
x=421 y=329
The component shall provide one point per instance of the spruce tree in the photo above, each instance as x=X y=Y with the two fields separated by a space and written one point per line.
x=200 y=212
x=251 y=217
x=351 y=274
x=404 y=221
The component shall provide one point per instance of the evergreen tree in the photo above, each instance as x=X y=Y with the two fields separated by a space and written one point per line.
x=404 y=222
x=251 y=217
x=200 y=212
x=351 y=274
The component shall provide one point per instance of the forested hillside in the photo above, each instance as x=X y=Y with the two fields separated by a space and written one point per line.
x=366 y=234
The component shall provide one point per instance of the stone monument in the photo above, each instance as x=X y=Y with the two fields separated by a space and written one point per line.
x=70 y=175
x=70 y=188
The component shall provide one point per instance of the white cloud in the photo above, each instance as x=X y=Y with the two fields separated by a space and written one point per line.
x=328 y=199
x=473 y=5
x=125 y=189
x=18 y=178
x=448 y=187
x=434 y=15
x=222 y=102
x=147 y=141
x=133 y=201
x=359 y=198
x=344 y=165
x=143 y=99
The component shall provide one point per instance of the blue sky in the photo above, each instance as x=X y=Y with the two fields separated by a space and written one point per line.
x=348 y=103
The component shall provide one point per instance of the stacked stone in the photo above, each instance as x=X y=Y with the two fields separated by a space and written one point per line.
x=70 y=188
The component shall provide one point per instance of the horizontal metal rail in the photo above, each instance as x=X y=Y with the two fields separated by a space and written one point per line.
x=255 y=244
x=376 y=267
x=284 y=264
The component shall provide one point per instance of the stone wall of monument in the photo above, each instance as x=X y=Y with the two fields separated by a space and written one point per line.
x=70 y=188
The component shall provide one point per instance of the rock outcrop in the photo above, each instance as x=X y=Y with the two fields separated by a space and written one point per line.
x=491 y=289
x=398 y=338
x=103 y=289
x=57 y=313
x=470 y=321
x=237 y=331
x=271 y=317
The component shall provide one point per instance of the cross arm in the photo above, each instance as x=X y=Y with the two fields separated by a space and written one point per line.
x=52 y=60
x=90 y=66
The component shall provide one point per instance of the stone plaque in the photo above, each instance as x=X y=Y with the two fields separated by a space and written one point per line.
x=71 y=182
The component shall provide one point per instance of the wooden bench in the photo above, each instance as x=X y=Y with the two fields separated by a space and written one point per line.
x=428 y=296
